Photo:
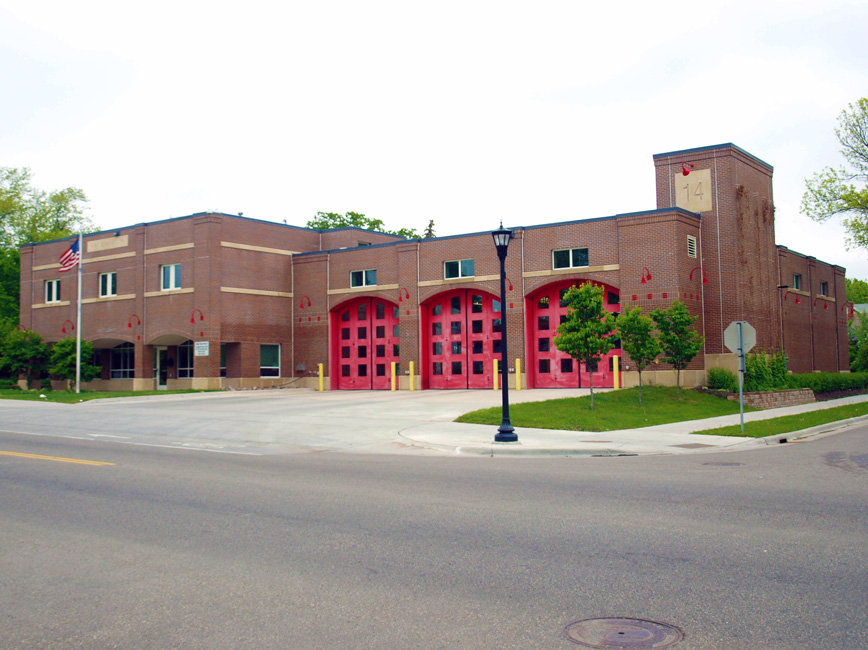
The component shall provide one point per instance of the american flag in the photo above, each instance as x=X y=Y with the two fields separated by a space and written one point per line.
x=70 y=259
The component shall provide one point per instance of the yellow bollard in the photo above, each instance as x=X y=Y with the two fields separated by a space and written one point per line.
x=394 y=378
x=321 y=381
x=617 y=373
x=518 y=374
x=412 y=378
x=494 y=378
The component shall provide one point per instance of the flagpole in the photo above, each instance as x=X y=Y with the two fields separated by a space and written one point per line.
x=78 y=319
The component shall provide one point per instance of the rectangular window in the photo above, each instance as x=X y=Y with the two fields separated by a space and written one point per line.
x=566 y=365
x=824 y=288
x=108 y=284
x=477 y=347
x=185 y=360
x=570 y=258
x=691 y=246
x=269 y=360
x=170 y=277
x=222 y=359
x=123 y=361
x=367 y=278
x=545 y=366
x=797 y=281
x=52 y=291
x=459 y=269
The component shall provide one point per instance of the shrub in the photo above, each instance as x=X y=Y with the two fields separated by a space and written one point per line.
x=722 y=379
x=765 y=371
x=827 y=382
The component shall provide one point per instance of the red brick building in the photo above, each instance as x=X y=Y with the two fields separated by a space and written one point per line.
x=213 y=300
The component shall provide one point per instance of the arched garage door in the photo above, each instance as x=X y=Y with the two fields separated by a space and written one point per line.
x=552 y=368
x=367 y=341
x=462 y=332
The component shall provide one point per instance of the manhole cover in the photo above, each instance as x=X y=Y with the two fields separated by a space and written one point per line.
x=622 y=633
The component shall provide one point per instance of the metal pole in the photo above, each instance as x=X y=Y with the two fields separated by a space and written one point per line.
x=740 y=378
x=506 y=432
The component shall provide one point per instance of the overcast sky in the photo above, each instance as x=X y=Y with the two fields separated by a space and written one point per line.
x=461 y=112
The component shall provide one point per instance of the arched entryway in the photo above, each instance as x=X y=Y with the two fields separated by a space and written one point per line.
x=549 y=367
x=461 y=338
x=366 y=340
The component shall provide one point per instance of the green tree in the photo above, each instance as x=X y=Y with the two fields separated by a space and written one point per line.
x=843 y=191
x=29 y=214
x=638 y=340
x=678 y=339
x=857 y=291
x=10 y=286
x=22 y=352
x=429 y=231
x=588 y=332
x=62 y=361
x=329 y=220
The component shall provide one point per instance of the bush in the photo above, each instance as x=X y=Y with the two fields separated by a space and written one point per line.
x=8 y=384
x=765 y=371
x=722 y=379
x=827 y=382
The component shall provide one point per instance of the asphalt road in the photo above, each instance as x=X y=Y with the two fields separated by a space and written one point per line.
x=168 y=548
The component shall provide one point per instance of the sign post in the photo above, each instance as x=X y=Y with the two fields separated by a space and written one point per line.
x=740 y=337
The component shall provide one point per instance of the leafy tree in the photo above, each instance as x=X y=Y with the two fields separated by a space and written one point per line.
x=62 y=360
x=10 y=286
x=679 y=341
x=843 y=192
x=29 y=214
x=857 y=291
x=638 y=340
x=588 y=332
x=23 y=353
x=329 y=220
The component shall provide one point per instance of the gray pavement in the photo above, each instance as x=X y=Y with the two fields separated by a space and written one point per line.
x=405 y=422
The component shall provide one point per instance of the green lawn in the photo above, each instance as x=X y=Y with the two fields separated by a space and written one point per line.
x=70 y=397
x=613 y=410
x=789 y=423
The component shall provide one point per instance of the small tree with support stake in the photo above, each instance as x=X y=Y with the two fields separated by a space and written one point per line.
x=680 y=341
x=638 y=340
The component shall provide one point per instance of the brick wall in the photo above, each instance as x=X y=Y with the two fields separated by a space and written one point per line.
x=776 y=399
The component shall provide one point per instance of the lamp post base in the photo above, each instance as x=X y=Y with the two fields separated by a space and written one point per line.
x=506 y=433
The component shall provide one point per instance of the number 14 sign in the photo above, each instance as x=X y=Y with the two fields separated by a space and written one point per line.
x=693 y=192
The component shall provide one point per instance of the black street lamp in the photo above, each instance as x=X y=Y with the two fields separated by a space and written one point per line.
x=506 y=432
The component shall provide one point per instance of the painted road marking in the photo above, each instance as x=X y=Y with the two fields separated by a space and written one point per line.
x=54 y=458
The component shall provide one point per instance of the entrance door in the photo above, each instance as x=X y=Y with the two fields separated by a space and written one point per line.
x=368 y=341
x=462 y=339
x=556 y=369
x=161 y=366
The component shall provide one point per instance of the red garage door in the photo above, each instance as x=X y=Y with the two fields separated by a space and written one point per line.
x=367 y=341
x=552 y=368
x=462 y=330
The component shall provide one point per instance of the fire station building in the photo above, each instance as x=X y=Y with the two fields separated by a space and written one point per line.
x=215 y=300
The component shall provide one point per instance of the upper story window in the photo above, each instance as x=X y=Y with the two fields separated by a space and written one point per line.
x=52 y=291
x=797 y=281
x=364 y=243
x=691 y=246
x=366 y=278
x=570 y=258
x=170 y=277
x=824 y=288
x=459 y=269
x=108 y=284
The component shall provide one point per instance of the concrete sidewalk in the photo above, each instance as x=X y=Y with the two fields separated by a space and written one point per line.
x=303 y=421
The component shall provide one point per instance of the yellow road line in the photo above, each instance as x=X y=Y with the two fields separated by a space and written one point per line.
x=54 y=458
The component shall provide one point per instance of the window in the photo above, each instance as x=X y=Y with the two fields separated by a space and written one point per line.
x=222 y=359
x=691 y=246
x=170 y=277
x=570 y=258
x=123 y=361
x=797 y=281
x=185 y=360
x=52 y=291
x=459 y=269
x=269 y=360
x=108 y=284
x=366 y=278
x=824 y=288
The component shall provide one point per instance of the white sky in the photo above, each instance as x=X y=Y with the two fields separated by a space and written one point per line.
x=462 y=112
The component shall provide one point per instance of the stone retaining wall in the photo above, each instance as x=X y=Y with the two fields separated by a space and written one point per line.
x=772 y=399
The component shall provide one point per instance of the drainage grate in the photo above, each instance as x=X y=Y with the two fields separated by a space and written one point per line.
x=622 y=633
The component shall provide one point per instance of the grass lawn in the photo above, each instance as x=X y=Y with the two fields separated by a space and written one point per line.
x=613 y=410
x=789 y=423
x=70 y=397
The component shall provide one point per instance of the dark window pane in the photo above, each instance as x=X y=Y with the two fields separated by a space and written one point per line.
x=456 y=327
x=467 y=268
x=561 y=260
x=496 y=325
x=544 y=366
x=396 y=331
x=436 y=329
x=543 y=303
x=456 y=367
x=543 y=345
x=476 y=326
x=371 y=277
x=381 y=331
x=437 y=368
x=450 y=270
x=580 y=257
x=363 y=370
x=345 y=352
x=456 y=347
x=363 y=351
x=477 y=347
x=345 y=316
x=495 y=346
x=437 y=310
x=345 y=371
x=356 y=278
x=542 y=322
x=614 y=298
x=563 y=318
x=363 y=332
x=476 y=304
x=566 y=365
x=564 y=293
x=611 y=364
x=380 y=310
x=395 y=312
x=455 y=304
x=478 y=367
x=437 y=348
x=345 y=333
x=363 y=311
x=397 y=368
x=616 y=344
x=381 y=370
x=381 y=350
x=396 y=350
